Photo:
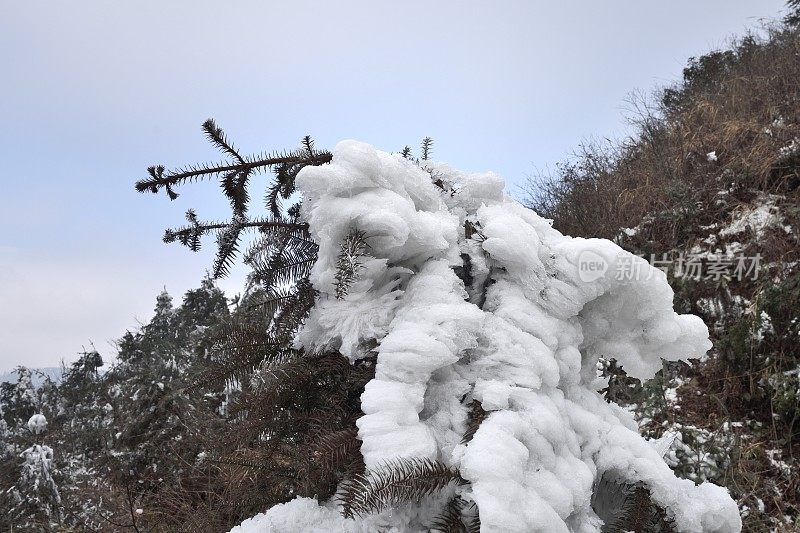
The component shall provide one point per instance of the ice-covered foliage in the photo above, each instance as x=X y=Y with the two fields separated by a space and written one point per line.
x=37 y=488
x=126 y=434
x=37 y=424
x=756 y=219
x=466 y=296
x=5 y=436
x=19 y=398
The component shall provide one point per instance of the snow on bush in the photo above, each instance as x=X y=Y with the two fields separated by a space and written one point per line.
x=470 y=296
x=37 y=424
x=36 y=486
x=763 y=215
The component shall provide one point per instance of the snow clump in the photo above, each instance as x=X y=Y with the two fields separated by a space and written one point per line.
x=37 y=424
x=467 y=295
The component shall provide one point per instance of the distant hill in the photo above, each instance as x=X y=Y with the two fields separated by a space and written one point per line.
x=53 y=372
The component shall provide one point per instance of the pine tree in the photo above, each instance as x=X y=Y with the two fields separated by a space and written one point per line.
x=20 y=399
x=38 y=500
x=30 y=494
x=82 y=406
x=5 y=447
x=294 y=412
x=144 y=400
x=7 y=471
x=295 y=409
x=155 y=425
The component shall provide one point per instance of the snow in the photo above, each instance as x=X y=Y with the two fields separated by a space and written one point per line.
x=711 y=156
x=775 y=460
x=764 y=327
x=301 y=514
x=757 y=218
x=663 y=444
x=523 y=338
x=790 y=149
x=37 y=424
x=36 y=475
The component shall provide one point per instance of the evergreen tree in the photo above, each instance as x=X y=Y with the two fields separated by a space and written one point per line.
x=36 y=495
x=20 y=398
x=295 y=411
x=5 y=437
x=7 y=470
x=30 y=495
x=143 y=399
x=125 y=439
x=83 y=412
x=158 y=424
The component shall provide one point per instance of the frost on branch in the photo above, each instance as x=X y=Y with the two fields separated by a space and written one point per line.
x=466 y=296
x=36 y=488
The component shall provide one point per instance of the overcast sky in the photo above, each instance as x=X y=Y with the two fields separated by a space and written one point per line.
x=91 y=93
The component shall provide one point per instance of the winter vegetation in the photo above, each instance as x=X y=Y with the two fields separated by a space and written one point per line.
x=711 y=174
x=417 y=350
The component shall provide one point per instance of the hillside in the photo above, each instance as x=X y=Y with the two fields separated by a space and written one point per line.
x=708 y=191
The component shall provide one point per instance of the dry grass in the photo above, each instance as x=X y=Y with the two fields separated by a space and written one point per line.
x=743 y=105
x=729 y=105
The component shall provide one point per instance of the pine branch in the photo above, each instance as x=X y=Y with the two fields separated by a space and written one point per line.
x=286 y=263
x=238 y=351
x=263 y=303
x=640 y=514
x=227 y=248
x=250 y=460
x=450 y=520
x=394 y=483
x=308 y=143
x=283 y=187
x=234 y=186
x=276 y=248
x=473 y=522
x=159 y=178
x=427 y=148
x=274 y=373
x=260 y=223
x=217 y=137
x=294 y=311
x=335 y=449
x=627 y=506
x=476 y=416
x=348 y=264
x=190 y=234
x=228 y=236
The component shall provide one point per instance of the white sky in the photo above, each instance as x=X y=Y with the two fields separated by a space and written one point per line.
x=93 y=92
